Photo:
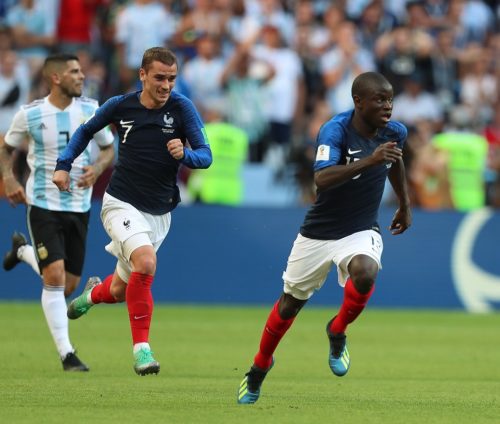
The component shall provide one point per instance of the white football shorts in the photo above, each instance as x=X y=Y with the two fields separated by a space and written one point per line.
x=310 y=260
x=130 y=229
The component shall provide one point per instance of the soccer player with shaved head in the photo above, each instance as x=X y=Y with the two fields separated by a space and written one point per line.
x=356 y=151
x=154 y=126
x=57 y=222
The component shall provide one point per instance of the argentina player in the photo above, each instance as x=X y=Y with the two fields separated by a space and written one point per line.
x=153 y=126
x=356 y=151
x=57 y=222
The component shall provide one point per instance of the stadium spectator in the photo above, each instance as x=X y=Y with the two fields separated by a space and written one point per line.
x=427 y=170
x=401 y=53
x=243 y=79
x=341 y=65
x=32 y=31
x=357 y=150
x=203 y=17
x=14 y=87
x=76 y=25
x=203 y=73
x=285 y=94
x=467 y=154
x=479 y=90
x=153 y=125
x=58 y=221
x=374 y=21
x=415 y=104
x=222 y=183
x=133 y=35
x=445 y=69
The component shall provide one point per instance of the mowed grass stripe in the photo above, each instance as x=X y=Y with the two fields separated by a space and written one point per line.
x=407 y=367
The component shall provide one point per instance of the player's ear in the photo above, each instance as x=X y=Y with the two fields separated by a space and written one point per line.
x=356 y=99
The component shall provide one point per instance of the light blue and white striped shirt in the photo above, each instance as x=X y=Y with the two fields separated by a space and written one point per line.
x=48 y=130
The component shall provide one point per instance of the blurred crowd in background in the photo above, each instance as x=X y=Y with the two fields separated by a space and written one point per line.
x=266 y=74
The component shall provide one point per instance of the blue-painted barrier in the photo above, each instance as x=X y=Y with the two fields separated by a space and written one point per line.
x=237 y=255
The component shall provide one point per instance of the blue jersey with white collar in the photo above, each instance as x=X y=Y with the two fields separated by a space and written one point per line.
x=351 y=206
x=145 y=174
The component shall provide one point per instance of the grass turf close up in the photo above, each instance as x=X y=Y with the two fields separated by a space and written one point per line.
x=407 y=367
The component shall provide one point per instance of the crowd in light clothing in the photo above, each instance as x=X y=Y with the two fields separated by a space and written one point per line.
x=279 y=69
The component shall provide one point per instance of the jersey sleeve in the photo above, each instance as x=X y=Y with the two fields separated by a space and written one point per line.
x=329 y=146
x=85 y=132
x=201 y=155
x=402 y=133
x=18 y=130
x=104 y=137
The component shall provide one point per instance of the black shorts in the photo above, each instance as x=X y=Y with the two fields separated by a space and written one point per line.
x=58 y=235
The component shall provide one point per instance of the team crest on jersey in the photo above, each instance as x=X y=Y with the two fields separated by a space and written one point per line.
x=323 y=152
x=169 y=123
x=42 y=251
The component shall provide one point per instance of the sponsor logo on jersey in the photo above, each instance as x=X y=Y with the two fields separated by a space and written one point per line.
x=42 y=126
x=169 y=123
x=126 y=223
x=323 y=152
x=352 y=152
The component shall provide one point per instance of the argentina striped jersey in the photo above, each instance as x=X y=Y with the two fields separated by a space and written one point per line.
x=48 y=130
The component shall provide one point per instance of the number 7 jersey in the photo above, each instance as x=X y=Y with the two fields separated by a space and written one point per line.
x=48 y=130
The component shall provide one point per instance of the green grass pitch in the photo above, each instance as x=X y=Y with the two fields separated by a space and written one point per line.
x=407 y=367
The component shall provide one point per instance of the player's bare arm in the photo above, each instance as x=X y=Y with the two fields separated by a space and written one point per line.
x=335 y=175
x=14 y=191
x=92 y=172
x=176 y=148
x=402 y=218
x=61 y=180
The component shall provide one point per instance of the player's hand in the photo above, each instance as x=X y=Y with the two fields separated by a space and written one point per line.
x=401 y=221
x=61 y=180
x=176 y=148
x=89 y=177
x=387 y=153
x=14 y=191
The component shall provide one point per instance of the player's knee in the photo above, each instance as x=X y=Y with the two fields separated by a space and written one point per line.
x=363 y=272
x=118 y=292
x=54 y=274
x=289 y=306
x=145 y=264
x=363 y=282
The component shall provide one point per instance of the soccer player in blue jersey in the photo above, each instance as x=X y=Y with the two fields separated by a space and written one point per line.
x=356 y=151
x=57 y=222
x=154 y=125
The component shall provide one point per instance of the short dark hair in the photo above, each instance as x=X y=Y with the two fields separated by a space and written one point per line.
x=54 y=62
x=368 y=80
x=59 y=58
x=160 y=54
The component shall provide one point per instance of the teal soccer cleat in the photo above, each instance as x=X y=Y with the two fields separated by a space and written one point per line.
x=249 y=390
x=338 y=357
x=80 y=305
x=145 y=363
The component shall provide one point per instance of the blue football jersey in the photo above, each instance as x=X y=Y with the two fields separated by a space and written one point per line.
x=145 y=174
x=351 y=206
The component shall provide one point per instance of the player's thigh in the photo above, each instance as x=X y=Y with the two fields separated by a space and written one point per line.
x=75 y=226
x=368 y=243
x=308 y=266
x=121 y=220
x=47 y=235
